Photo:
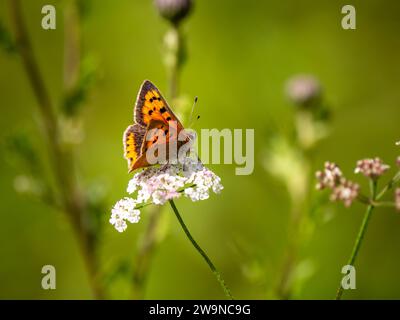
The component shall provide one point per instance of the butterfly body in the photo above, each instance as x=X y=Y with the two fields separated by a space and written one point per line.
x=154 y=125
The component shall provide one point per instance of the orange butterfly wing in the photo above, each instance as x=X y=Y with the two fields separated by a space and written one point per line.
x=155 y=143
x=155 y=123
x=150 y=105
x=133 y=140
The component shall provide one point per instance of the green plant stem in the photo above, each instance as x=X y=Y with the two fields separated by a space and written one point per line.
x=384 y=204
x=71 y=199
x=174 y=63
x=148 y=245
x=201 y=251
x=389 y=186
x=284 y=289
x=145 y=254
x=360 y=235
x=299 y=217
x=146 y=250
x=72 y=46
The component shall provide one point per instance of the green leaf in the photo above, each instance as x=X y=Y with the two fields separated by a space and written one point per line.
x=6 y=41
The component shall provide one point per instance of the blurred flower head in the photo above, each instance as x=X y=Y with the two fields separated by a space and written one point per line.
x=158 y=184
x=371 y=168
x=28 y=185
x=398 y=161
x=342 y=189
x=329 y=177
x=174 y=10
x=288 y=165
x=346 y=191
x=303 y=90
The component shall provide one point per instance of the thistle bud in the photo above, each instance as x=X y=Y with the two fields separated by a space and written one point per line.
x=174 y=10
x=303 y=90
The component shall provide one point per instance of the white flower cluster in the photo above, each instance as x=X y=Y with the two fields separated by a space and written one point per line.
x=342 y=189
x=329 y=177
x=124 y=210
x=372 y=168
x=158 y=184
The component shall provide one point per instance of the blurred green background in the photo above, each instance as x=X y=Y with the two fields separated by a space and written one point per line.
x=240 y=54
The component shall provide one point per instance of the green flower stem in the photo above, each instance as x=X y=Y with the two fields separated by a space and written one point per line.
x=360 y=236
x=363 y=199
x=389 y=186
x=384 y=204
x=173 y=59
x=145 y=254
x=173 y=62
x=63 y=166
x=201 y=251
x=284 y=288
